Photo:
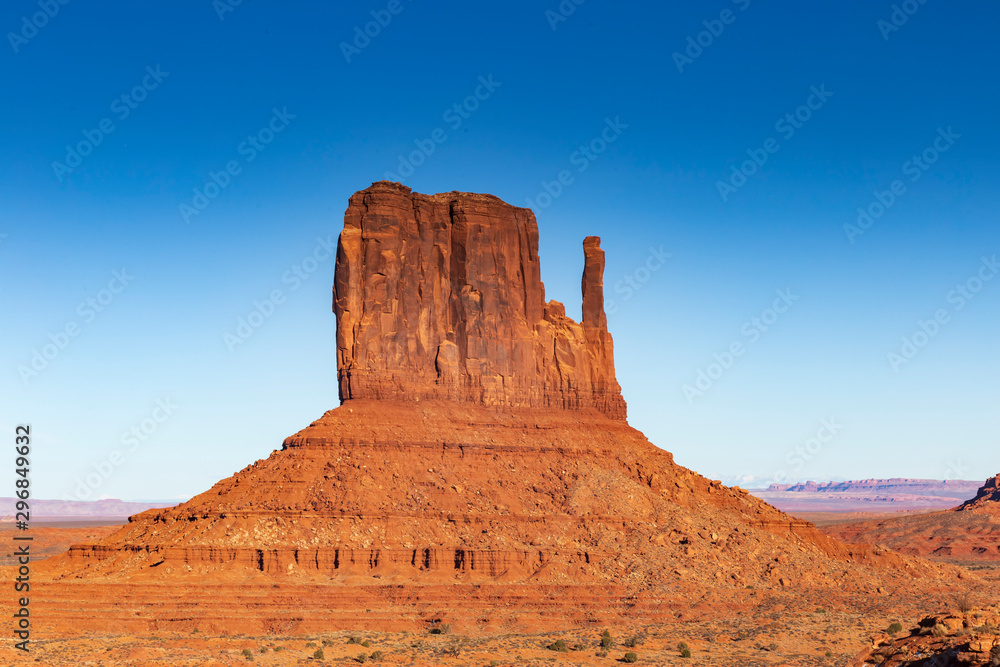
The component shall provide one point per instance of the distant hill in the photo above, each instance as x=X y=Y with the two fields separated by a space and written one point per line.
x=870 y=495
x=110 y=508
x=969 y=533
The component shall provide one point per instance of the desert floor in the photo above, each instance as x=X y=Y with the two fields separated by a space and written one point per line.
x=777 y=627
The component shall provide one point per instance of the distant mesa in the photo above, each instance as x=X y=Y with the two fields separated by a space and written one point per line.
x=869 y=495
x=966 y=533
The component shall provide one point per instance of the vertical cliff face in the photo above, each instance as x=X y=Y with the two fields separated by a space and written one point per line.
x=440 y=297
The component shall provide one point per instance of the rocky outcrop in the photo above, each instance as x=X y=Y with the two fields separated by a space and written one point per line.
x=987 y=497
x=441 y=297
x=480 y=455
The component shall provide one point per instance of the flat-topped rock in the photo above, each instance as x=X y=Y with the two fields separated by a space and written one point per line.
x=440 y=297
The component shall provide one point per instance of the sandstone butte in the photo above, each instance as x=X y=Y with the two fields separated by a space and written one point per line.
x=480 y=469
x=969 y=533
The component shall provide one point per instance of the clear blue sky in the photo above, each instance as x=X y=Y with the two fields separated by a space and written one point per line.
x=270 y=92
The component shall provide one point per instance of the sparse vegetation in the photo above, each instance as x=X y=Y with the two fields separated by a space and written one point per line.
x=558 y=645
x=248 y=654
x=684 y=650
x=452 y=651
x=630 y=657
x=376 y=656
x=362 y=657
x=366 y=644
x=353 y=640
x=607 y=641
x=939 y=631
x=895 y=628
x=440 y=629
x=964 y=602
x=318 y=654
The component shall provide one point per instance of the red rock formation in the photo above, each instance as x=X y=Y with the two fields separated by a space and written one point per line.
x=440 y=297
x=481 y=442
x=988 y=496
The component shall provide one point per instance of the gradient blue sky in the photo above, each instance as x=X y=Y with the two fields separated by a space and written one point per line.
x=655 y=186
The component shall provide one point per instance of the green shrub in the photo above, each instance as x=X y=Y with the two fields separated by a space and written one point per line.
x=630 y=657
x=558 y=645
x=310 y=644
x=353 y=640
x=318 y=654
x=366 y=644
x=263 y=649
x=607 y=641
x=895 y=627
x=248 y=654
x=684 y=650
x=377 y=656
x=362 y=657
